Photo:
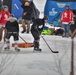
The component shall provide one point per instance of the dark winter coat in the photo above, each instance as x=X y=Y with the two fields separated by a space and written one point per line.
x=73 y=26
x=38 y=24
x=28 y=10
x=12 y=25
x=35 y=12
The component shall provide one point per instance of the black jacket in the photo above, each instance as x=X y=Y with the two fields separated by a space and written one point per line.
x=38 y=24
x=28 y=10
x=12 y=25
x=73 y=26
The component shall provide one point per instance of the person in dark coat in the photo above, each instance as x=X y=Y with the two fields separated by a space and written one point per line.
x=73 y=27
x=12 y=29
x=26 y=17
x=35 y=12
x=36 y=29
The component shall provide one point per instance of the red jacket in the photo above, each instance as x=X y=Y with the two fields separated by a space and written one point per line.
x=67 y=16
x=4 y=17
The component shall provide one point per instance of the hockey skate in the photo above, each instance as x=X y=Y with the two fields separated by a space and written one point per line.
x=7 y=48
x=37 y=49
x=17 y=49
x=36 y=46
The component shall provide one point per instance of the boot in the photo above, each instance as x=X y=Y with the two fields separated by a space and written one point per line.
x=67 y=35
x=23 y=31
x=24 y=28
x=27 y=30
x=63 y=35
x=7 y=48
x=17 y=49
x=36 y=46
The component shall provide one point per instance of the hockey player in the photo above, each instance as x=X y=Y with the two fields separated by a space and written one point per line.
x=4 y=15
x=66 y=19
x=36 y=29
x=12 y=30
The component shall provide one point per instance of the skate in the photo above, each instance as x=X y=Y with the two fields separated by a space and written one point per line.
x=7 y=48
x=17 y=49
x=36 y=46
x=37 y=49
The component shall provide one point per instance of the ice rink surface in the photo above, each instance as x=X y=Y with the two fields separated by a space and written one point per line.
x=27 y=62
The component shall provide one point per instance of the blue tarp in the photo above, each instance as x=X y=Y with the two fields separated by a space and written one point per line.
x=54 y=8
x=16 y=8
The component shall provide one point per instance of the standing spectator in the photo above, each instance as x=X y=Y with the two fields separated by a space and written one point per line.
x=4 y=15
x=27 y=13
x=73 y=27
x=66 y=19
x=36 y=29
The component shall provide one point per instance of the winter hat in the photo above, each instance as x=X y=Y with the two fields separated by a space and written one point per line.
x=5 y=6
x=45 y=18
x=67 y=5
x=12 y=15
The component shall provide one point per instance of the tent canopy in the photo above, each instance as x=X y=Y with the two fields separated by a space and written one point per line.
x=53 y=9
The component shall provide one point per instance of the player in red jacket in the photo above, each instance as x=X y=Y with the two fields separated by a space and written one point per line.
x=4 y=15
x=66 y=20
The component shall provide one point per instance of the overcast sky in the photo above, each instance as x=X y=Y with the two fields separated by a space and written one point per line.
x=40 y=4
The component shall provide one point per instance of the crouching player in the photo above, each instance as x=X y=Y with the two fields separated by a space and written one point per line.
x=12 y=30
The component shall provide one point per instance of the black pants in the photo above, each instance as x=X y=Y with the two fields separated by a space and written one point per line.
x=15 y=35
x=36 y=36
x=72 y=27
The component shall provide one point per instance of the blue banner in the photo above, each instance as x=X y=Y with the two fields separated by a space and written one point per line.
x=54 y=8
x=16 y=8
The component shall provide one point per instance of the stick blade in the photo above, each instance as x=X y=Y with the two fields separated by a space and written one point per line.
x=55 y=52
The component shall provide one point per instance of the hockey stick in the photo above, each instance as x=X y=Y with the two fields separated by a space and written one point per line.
x=47 y=44
x=22 y=39
x=25 y=44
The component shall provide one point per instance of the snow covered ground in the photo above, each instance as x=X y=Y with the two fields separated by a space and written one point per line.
x=26 y=62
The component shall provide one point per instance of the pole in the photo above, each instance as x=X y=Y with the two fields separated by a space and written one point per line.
x=72 y=57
